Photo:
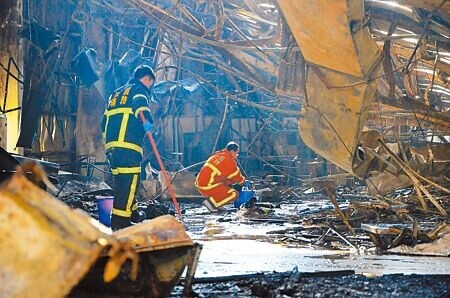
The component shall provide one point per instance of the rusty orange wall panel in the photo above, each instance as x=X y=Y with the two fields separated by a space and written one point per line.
x=342 y=63
x=331 y=122
x=428 y=4
x=322 y=31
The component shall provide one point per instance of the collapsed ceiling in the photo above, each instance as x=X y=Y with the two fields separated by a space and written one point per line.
x=248 y=54
x=245 y=39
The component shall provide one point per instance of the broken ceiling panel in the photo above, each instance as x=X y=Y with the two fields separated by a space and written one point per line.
x=244 y=51
x=343 y=62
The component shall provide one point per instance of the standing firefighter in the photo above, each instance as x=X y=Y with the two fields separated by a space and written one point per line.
x=220 y=178
x=123 y=132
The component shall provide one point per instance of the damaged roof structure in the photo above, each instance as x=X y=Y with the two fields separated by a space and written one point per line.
x=318 y=95
x=236 y=71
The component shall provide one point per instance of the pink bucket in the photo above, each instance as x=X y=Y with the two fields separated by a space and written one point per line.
x=104 y=206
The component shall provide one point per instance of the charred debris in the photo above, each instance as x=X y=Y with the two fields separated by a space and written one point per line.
x=349 y=146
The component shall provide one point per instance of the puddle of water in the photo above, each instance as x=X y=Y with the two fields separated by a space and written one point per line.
x=234 y=257
x=231 y=248
x=228 y=230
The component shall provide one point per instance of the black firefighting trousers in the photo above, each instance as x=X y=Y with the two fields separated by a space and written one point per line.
x=126 y=170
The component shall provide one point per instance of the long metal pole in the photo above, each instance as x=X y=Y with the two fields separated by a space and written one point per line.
x=163 y=170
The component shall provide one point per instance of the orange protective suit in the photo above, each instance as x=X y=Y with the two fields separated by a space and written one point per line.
x=216 y=177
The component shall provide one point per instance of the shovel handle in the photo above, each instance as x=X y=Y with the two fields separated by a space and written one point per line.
x=163 y=170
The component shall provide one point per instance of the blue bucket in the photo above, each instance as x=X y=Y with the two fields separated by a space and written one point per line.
x=104 y=206
x=244 y=197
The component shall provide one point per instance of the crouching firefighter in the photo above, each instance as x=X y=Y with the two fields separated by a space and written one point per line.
x=123 y=133
x=220 y=179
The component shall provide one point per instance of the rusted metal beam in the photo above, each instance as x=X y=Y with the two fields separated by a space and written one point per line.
x=407 y=52
x=338 y=209
x=413 y=175
x=387 y=63
x=165 y=17
x=427 y=4
x=382 y=13
x=411 y=105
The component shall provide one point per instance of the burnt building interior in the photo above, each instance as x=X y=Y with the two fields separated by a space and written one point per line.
x=341 y=110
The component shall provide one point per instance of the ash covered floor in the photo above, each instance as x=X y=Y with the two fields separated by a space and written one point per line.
x=245 y=256
x=299 y=247
x=234 y=243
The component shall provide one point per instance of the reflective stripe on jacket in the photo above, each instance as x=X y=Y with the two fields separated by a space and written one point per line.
x=219 y=169
x=121 y=124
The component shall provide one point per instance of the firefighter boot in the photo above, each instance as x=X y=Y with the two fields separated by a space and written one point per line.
x=138 y=216
x=210 y=206
x=119 y=222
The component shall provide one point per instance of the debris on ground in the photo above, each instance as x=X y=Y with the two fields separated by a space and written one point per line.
x=50 y=249
x=344 y=218
x=320 y=284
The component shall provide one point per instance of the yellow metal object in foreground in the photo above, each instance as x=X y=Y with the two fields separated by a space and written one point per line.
x=157 y=234
x=45 y=246
x=164 y=251
x=163 y=243
x=342 y=64
x=48 y=249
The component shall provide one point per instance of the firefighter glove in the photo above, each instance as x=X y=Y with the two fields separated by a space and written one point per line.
x=237 y=186
x=148 y=127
